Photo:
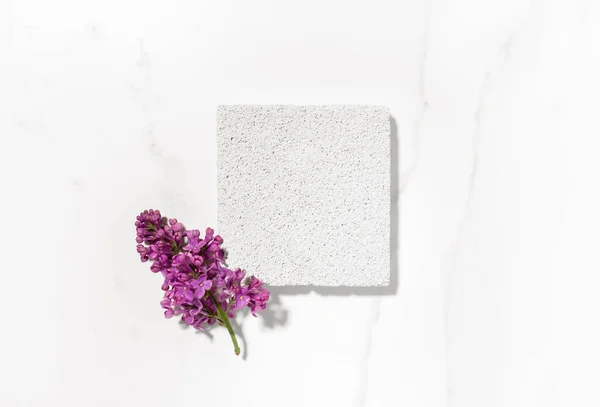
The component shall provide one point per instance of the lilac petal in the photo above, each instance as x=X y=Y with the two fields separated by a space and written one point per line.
x=166 y=304
x=188 y=294
x=200 y=291
x=198 y=260
x=208 y=284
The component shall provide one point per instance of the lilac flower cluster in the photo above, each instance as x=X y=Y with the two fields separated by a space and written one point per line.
x=197 y=284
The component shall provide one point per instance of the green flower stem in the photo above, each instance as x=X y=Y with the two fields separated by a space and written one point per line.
x=225 y=319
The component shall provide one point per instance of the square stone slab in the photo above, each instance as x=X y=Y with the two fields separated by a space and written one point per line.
x=304 y=193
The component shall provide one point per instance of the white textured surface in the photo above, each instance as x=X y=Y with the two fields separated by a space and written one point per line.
x=304 y=193
x=108 y=107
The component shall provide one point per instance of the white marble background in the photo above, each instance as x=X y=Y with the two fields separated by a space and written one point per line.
x=109 y=107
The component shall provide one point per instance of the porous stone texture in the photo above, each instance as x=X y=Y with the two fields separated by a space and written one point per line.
x=304 y=193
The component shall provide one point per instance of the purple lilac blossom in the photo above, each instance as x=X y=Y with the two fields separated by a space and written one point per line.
x=193 y=268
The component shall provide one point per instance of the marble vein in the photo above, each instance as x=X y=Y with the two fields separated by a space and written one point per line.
x=476 y=137
x=363 y=384
x=504 y=54
x=422 y=111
